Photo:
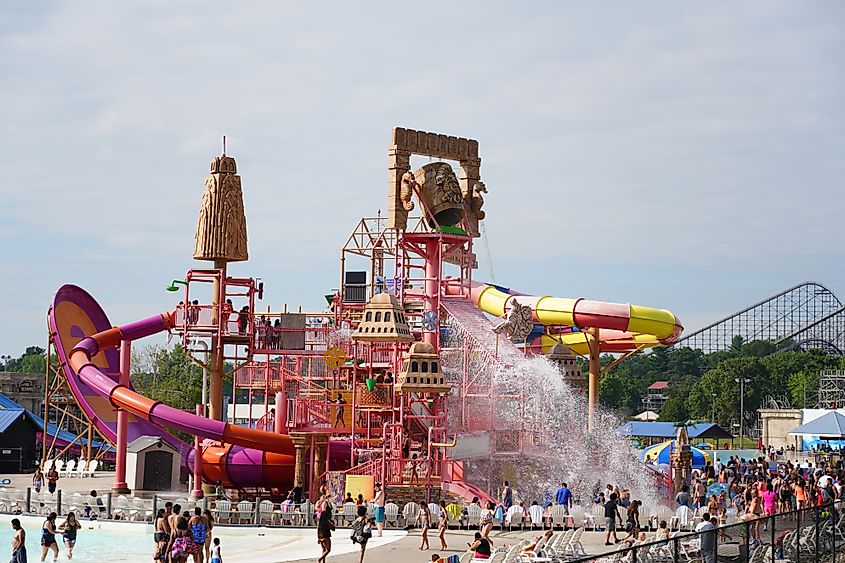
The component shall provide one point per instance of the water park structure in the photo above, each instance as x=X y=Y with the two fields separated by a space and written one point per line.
x=394 y=382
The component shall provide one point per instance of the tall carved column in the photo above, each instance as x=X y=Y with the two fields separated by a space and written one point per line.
x=300 y=443
x=399 y=162
x=221 y=238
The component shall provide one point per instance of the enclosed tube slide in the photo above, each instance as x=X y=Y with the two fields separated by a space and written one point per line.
x=623 y=327
x=237 y=456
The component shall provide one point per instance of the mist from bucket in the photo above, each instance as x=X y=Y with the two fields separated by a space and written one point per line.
x=556 y=445
x=532 y=401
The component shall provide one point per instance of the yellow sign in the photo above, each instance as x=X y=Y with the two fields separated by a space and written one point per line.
x=360 y=485
x=334 y=357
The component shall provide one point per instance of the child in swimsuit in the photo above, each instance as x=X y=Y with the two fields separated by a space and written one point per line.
x=215 y=552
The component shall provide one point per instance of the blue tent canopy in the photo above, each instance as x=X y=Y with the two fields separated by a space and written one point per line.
x=830 y=425
x=669 y=430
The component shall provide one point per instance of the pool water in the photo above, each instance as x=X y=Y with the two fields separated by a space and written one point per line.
x=97 y=542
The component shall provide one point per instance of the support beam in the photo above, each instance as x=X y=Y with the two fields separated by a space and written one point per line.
x=120 y=487
x=595 y=371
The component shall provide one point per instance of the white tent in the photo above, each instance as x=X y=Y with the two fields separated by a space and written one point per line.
x=648 y=416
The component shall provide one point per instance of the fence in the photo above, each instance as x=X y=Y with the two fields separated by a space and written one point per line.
x=812 y=534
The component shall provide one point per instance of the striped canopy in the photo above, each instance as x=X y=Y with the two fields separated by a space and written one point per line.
x=659 y=454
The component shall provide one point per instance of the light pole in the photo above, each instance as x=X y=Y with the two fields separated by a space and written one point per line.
x=742 y=381
x=713 y=411
x=197 y=491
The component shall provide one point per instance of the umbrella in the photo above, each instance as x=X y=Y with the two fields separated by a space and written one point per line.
x=704 y=446
x=660 y=454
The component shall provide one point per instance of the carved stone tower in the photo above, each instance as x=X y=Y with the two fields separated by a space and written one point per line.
x=221 y=228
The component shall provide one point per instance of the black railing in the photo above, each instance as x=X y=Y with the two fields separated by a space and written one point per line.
x=812 y=534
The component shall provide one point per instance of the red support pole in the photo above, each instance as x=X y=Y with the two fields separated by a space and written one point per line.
x=432 y=289
x=120 y=485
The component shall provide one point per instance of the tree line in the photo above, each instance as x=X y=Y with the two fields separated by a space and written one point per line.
x=703 y=386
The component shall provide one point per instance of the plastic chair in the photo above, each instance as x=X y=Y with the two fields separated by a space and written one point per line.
x=266 y=512
x=245 y=512
x=391 y=514
x=222 y=511
x=411 y=513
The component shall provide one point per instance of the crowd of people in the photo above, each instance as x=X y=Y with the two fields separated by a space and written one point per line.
x=179 y=535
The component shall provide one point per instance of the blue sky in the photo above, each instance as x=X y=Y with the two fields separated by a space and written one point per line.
x=677 y=155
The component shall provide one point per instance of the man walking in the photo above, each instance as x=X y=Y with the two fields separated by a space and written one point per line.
x=611 y=517
x=563 y=497
x=18 y=542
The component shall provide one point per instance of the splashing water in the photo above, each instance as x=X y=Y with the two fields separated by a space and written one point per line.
x=539 y=422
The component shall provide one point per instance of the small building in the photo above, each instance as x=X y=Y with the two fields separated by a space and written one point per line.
x=655 y=396
x=152 y=464
x=26 y=389
x=562 y=357
x=18 y=445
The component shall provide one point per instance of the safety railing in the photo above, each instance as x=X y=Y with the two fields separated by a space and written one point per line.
x=812 y=534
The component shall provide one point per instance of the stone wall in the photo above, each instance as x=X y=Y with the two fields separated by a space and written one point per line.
x=777 y=424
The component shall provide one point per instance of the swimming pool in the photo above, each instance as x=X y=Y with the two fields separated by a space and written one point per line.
x=133 y=541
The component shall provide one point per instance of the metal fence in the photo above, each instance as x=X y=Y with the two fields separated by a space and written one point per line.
x=812 y=534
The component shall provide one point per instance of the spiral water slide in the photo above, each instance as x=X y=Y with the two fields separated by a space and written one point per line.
x=86 y=344
x=623 y=327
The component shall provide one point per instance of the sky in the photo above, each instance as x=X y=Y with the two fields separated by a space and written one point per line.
x=684 y=156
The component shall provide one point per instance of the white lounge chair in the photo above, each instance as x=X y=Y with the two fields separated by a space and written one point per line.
x=81 y=467
x=266 y=512
x=349 y=513
x=59 y=466
x=411 y=513
x=515 y=516
x=139 y=509
x=245 y=512
x=391 y=514
x=92 y=468
x=536 y=513
x=121 y=507
x=222 y=511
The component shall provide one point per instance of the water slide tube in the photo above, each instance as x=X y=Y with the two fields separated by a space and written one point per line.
x=237 y=456
x=623 y=327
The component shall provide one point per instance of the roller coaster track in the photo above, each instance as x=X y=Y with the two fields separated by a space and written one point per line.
x=807 y=315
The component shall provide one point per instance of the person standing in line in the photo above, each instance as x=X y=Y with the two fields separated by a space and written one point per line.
x=611 y=517
x=507 y=496
x=48 y=537
x=563 y=497
x=173 y=518
x=325 y=525
x=199 y=531
x=682 y=498
x=18 y=542
x=52 y=480
x=215 y=552
x=209 y=521
x=442 y=524
x=378 y=508
x=160 y=537
x=69 y=528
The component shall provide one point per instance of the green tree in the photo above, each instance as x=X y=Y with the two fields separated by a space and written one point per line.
x=33 y=360
x=167 y=375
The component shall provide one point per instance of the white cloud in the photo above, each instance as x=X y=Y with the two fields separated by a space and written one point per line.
x=665 y=153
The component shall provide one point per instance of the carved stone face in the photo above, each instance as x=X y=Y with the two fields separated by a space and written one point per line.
x=442 y=193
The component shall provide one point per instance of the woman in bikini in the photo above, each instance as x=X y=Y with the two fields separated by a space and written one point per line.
x=425 y=523
x=209 y=521
x=442 y=524
x=486 y=521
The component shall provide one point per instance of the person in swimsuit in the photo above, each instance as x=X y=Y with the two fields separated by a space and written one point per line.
x=18 y=542
x=69 y=528
x=340 y=401
x=442 y=524
x=361 y=530
x=486 y=520
x=209 y=522
x=37 y=480
x=425 y=521
x=199 y=531
x=48 y=537
x=52 y=479
x=173 y=518
x=215 y=552
x=181 y=544
x=160 y=535
x=324 y=533
x=378 y=510
x=480 y=547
